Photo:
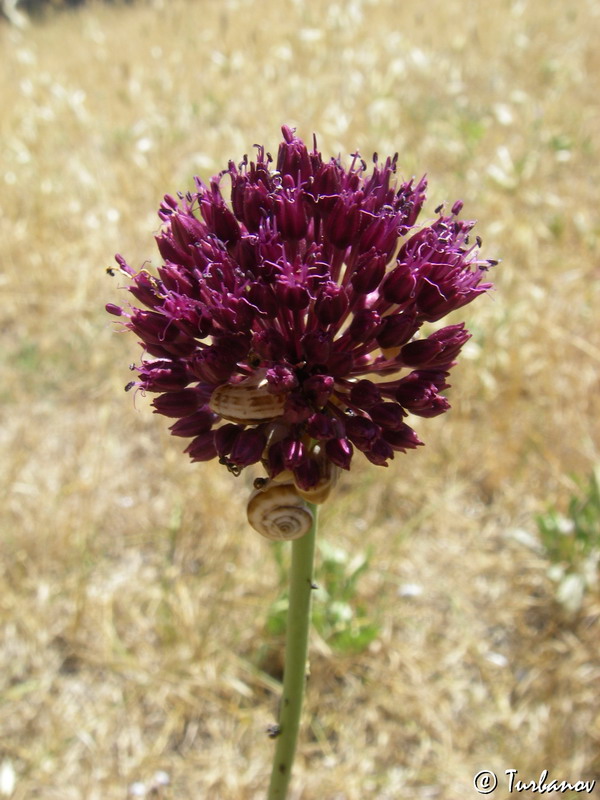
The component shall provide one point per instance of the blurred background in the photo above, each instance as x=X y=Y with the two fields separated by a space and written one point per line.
x=456 y=625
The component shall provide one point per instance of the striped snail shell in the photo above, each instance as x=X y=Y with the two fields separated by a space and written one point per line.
x=279 y=513
x=247 y=403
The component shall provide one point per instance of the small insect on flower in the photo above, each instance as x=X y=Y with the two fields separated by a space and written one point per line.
x=287 y=324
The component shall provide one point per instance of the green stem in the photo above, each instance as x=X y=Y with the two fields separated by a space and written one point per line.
x=296 y=649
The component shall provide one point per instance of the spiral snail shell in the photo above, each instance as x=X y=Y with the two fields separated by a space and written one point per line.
x=246 y=403
x=279 y=513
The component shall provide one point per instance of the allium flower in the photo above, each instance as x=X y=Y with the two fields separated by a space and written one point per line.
x=284 y=327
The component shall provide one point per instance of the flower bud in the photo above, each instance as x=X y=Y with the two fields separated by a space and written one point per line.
x=316 y=346
x=296 y=408
x=331 y=303
x=399 y=285
x=369 y=271
x=263 y=297
x=194 y=424
x=321 y=426
x=451 y=339
x=420 y=352
x=380 y=233
x=419 y=393
x=222 y=221
x=177 y=404
x=248 y=447
x=291 y=217
x=293 y=452
x=379 y=452
x=339 y=364
x=364 y=325
x=163 y=376
x=365 y=394
x=291 y=295
x=396 y=329
x=281 y=379
x=225 y=436
x=202 y=448
x=293 y=158
x=318 y=389
x=388 y=415
x=361 y=431
x=307 y=474
x=403 y=439
x=269 y=344
x=341 y=224
x=339 y=451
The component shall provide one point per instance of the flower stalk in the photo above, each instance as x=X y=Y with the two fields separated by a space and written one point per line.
x=296 y=649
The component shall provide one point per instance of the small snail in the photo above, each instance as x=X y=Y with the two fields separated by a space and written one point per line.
x=247 y=403
x=279 y=513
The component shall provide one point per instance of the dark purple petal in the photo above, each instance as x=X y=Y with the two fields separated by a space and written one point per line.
x=451 y=339
x=307 y=474
x=331 y=303
x=202 y=448
x=369 y=271
x=321 y=426
x=341 y=224
x=292 y=295
x=420 y=353
x=339 y=364
x=396 y=329
x=270 y=344
x=419 y=392
x=248 y=447
x=291 y=218
x=194 y=424
x=263 y=297
x=339 y=452
x=293 y=158
x=318 y=389
x=403 y=439
x=281 y=379
x=316 y=346
x=380 y=233
x=361 y=431
x=225 y=436
x=221 y=221
x=297 y=408
x=163 y=375
x=293 y=452
x=212 y=365
x=379 y=452
x=399 y=285
x=177 y=404
x=365 y=394
x=364 y=325
x=388 y=415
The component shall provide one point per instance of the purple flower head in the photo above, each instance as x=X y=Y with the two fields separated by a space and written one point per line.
x=285 y=324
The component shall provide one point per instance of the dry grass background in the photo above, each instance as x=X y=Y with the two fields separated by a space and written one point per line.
x=133 y=596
